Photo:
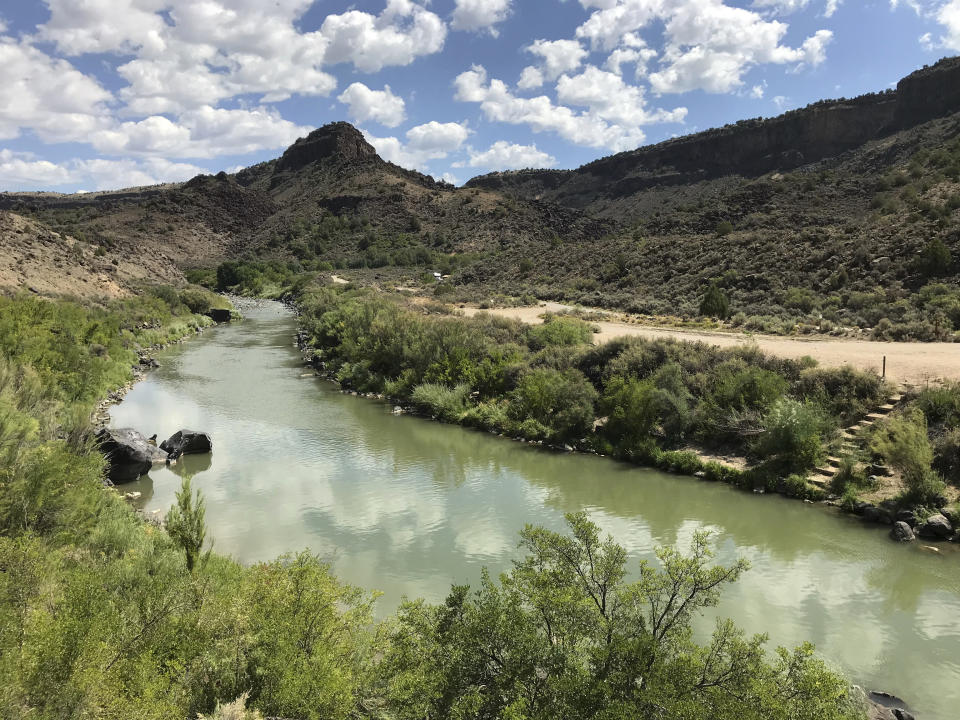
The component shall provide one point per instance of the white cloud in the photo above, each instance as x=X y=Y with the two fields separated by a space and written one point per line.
x=506 y=156
x=949 y=17
x=708 y=45
x=530 y=78
x=782 y=7
x=48 y=96
x=831 y=8
x=380 y=105
x=590 y=127
x=217 y=49
x=756 y=92
x=21 y=171
x=782 y=102
x=480 y=14
x=558 y=56
x=609 y=97
x=204 y=132
x=430 y=141
x=403 y=32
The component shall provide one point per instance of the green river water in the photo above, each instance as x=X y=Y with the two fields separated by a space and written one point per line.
x=408 y=506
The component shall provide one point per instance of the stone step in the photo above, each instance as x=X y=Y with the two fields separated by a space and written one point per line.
x=826 y=472
x=833 y=461
x=886 y=408
x=876 y=416
x=894 y=399
x=818 y=481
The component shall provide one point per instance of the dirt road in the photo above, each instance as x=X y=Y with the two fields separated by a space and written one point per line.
x=916 y=363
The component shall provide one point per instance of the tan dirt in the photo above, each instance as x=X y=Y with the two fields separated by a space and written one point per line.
x=909 y=363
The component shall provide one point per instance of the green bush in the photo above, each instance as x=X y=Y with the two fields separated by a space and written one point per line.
x=946 y=455
x=792 y=433
x=902 y=440
x=563 y=402
x=440 y=401
x=559 y=330
x=714 y=303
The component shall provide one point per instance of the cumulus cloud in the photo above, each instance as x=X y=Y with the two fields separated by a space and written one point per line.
x=200 y=133
x=48 y=95
x=511 y=156
x=608 y=122
x=530 y=78
x=480 y=15
x=949 y=17
x=558 y=56
x=381 y=106
x=403 y=32
x=708 y=45
x=22 y=171
x=430 y=141
x=218 y=49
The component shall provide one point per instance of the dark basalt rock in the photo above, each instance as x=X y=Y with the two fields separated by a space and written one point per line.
x=936 y=527
x=338 y=141
x=901 y=532
x=186 y=442
x=128 y=452
x=219 y=316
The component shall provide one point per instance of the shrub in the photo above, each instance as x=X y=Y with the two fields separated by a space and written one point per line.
x=791 y=433
x=440 y=401
x=563 y=402
x=559 y=330
x=903 y=441
x=714 y=303
x=723 y=228
x=946 y=455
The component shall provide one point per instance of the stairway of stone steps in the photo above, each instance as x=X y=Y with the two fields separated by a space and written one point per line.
x=852 y=440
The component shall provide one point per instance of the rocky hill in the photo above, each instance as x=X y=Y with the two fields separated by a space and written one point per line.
x=748 y=148
x=822 y=218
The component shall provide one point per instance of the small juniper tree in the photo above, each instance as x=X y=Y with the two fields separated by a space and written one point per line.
x=714 y=303
x=185 y=522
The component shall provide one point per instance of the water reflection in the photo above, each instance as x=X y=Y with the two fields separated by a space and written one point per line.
x=409 y=506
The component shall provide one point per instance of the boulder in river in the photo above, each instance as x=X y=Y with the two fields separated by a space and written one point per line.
x=218 y=315
x=128 y=452
x=901 y=532
x=936 y=527
x=186 y=442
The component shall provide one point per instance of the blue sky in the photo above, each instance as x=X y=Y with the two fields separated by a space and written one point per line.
x=112 y=93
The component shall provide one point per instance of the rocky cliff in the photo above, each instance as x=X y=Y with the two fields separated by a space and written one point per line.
x=748 y=148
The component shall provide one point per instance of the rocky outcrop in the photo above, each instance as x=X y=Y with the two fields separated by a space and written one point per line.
x=128 y=453
x=936 y=527
x=186 y=442
x=338 y=141
x=750 y=147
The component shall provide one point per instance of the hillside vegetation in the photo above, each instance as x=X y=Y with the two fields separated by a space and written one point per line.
x=843 y=217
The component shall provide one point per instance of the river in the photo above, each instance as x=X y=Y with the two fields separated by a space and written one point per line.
x=408 y=506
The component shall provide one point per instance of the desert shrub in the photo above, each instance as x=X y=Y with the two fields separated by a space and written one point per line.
x=723 y=228
x=559 y=330
x=946 y=455
x=714 y=303
x=849 y=475
x=791 y=433
x=940 y=404
x=562 y=402
x=902 y=440
x=448 y=404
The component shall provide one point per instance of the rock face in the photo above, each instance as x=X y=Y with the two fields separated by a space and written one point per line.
x=186 y=442
x=750 y=147
x=129 y=453
x=936 y=527
x=901 y=532
x=339 y=140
